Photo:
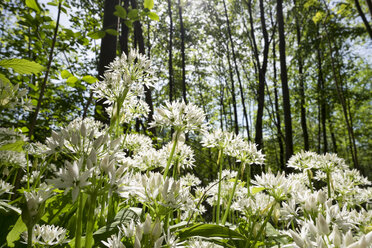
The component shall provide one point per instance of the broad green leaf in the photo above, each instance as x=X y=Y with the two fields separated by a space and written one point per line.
x=33 y=4
x=128 y=23
x=4 y=79
x=148 y=4
x=112 y=31
x=16 y=232
x=89 y=79
x=71 y=81
x=153 y=16
x=255 y=190
x=22 y=66
x=97 y=34
x=15 y=147
x=208 y=231
x=123 y=216
x=120 y=12
x=65 y=74
x=24 y=129
x=133 y=14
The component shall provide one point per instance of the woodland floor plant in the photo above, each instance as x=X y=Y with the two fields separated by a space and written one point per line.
x=93 y=185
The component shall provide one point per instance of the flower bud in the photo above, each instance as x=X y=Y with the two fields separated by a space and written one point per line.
x=321 y=225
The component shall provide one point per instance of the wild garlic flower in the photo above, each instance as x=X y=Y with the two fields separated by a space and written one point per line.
x=245 y=152
x=78 y=138
x=11 y=96
x=277 y=186
x=35 y=198
x=47 y=235
x=181 y=116
x=133 y=107
x=136 y=143
x=114 y=241
x=183 y=155
x=218 y=138
x=5 y=188
x=72 y=177
x=32 y=178
x=198 y=242
x=146 y=160
x=303 y=161
x=124 y=74
x=190 y=180
x=12 y=158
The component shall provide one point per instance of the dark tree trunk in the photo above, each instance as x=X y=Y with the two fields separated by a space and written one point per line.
x=300 y=62
x=322 y=101
x=364 y=19
x=182 y=52
x=107 y=53
x=333 y=137
x=123 y=38
x=237 y=70
x=284 y=79
x=277 y=111
x=170 y=55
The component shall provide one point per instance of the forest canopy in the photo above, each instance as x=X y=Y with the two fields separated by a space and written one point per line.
x=223 y=106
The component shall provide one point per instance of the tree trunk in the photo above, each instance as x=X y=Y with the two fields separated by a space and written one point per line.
x=182 y=52
x=364 y=19
x=300 y=62
x=284 y=79
x=107 y=53
x=123 y=38
x=237 y=70
x=170 y=55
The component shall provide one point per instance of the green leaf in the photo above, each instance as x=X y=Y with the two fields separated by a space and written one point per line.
x=120 y=12
x=112 y=31
x=16 y=146
x=89 y=79
x=22 y=66
x=255 y=190
x=65 y=74
x=129 y=24
x=148 y=4
x=4 y=79
x=16 y=232
x=123 y=216
x=97 y=34
x=153 y=16
x=133 y=14
x=208 y=231
x=71 y=81
x=33 y=4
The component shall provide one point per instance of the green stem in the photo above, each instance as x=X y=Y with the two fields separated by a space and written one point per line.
x=231 y=195
x=29 y=236
x=79 y=221
x=309 y=177
x=219 y=164
x=90 y=223
x=263 y=225
x=329 y=184
x=171 y=154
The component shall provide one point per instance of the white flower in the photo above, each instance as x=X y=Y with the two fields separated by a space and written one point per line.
x=180 y=116
x=125 y=74
x=277 y=186
x=5 y=187
x=183 y=155
x=71 y=177
x=35 y=198
x=47 y=235
x=218 y=138
x=245 y=152
x=136 y=143
x=303 y=160
x=114 y=241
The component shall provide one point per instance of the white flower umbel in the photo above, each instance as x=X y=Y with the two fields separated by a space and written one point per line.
x=181 y=116
x=35 y=198
x=136 y=143
x=125 y=73
x=277 y=186
x=47 y=235
x=245 y=152
x=5 y=188
x=72 y=177
x=114 y=241
x=218 y=138
x=183 y=156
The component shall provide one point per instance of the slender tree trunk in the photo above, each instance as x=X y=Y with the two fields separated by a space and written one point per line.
x=284 y=79
x=170 y=52
x=369 y=4
x=107 y=53
x=333 y=137
x=237 y=69
x=300 y=62
x=124 y=35
x=364 y=19
x=277 y=111
x=236 y=123
x=182 y=52
x=43 y=85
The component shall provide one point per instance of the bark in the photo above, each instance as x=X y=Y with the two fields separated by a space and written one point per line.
x=322 y=101
x=333 y=137
x=300 y=63
x=43 y=85
x=284 y=79
x=124 y=35
x=237 y=69
x=369 y=4
x=107 y=53
x=170 y=60
x=277 y=111
x=364 y=19
x=182 y=52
